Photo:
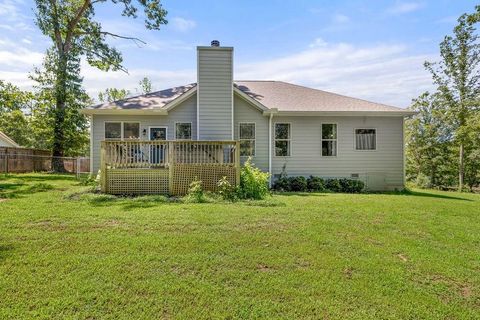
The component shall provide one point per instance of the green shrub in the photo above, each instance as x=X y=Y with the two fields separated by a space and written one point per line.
x=315 y=184
x=351 y=186
x=253 y=182
x=281 y=184
x=297 y=183
x=195 y=193
x=333 y=185
x=226 y=190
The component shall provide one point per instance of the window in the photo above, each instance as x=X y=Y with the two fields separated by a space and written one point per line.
x=113 y=130
x=131 y=130
x=122 y=130
x=183 y=131
x=247 y=139
x=365 y=139
x=282 y=139
x=329 y=139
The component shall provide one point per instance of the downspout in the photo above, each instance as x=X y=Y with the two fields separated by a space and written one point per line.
x=91 y=145
x=270 y=149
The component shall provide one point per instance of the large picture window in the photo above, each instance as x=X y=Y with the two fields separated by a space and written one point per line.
x=282 y=139
x=183 y=131
x=122 y=130
x=247 y=139
x=329 y=139
x=365 y=139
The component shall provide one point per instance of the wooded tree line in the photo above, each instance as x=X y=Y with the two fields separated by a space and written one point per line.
x=443 y=139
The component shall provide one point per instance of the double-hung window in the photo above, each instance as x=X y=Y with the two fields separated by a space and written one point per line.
x=183 y=131
x=365 y=139
x=282 y=139
x=329 y=139
x=247 y=139
x=122 y=130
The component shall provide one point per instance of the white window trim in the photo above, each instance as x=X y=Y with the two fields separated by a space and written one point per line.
x=175 y=128
x=321 y=139
x=159 y=127
x=254 y=138
x=121 y=130
x=355 y=139
x=275 y=139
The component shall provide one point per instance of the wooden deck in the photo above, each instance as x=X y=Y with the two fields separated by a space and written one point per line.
x=167 y=167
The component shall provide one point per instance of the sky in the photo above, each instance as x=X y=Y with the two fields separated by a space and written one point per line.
x=372 y=50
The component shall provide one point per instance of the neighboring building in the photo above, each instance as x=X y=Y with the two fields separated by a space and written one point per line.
x=284 y=127
x=6 y=141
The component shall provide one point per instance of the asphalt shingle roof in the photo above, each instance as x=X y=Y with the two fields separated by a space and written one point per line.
x=272 y=94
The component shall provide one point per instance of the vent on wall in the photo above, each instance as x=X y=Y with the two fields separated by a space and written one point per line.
x=354 y=175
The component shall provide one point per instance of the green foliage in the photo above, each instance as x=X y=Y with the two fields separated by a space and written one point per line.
x=351 y=185
x=297 y=184
x=333 y=185
x=253 y=182
x=226 y=190
x=145 y=85
x=195 y=193
x=113 y=94
x=282 y=184
x=315 y=184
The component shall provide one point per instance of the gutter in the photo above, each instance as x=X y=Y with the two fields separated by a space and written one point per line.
x=399 y=113
x=158 y=112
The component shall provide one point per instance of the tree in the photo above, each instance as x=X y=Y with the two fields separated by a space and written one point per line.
x=14 y=103
x=71 y=26
x=429 y=145
x=44 y=119
x=113 y=94
x=145 y=85
x=457 y=79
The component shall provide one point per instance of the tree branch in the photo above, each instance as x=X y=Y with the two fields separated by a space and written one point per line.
x=73 y=23
x=114 y=35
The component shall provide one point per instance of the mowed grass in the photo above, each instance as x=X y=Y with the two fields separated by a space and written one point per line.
x=65 y=254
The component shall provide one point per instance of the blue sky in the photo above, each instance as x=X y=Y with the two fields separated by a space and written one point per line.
x=366 y=49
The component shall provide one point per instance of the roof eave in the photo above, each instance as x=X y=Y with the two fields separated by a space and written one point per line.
x=158 y=112
x=400 y=113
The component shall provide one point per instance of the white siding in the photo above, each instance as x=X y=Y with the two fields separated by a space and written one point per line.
x=306 y=158
x=245 y=112
x=215 y=93
x=185 y=112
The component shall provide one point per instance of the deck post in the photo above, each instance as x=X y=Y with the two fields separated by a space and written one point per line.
x=103 y=168
x=237 y=162
x=171 y=164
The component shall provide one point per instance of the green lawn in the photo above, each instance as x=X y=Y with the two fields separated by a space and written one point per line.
x=64 y=254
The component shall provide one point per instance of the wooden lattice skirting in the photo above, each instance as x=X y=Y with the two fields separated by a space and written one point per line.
x=137 y=181
x=157 y=181
x=209 y=174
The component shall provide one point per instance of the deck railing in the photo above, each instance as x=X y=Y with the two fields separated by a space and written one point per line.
x=161 y=154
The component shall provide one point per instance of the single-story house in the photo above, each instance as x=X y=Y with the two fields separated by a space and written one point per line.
x=6 y=141
x=284 y=127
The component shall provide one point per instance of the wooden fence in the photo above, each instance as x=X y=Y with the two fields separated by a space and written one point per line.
x=142 y=167
x=21 y=160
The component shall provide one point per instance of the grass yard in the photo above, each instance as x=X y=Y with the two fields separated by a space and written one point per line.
x=67 y=254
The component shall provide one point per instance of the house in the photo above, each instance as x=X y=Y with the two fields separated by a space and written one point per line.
x=6 y=141
x=285 y=128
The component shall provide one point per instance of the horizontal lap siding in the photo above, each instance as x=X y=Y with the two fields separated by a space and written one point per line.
x=215 y=94
x=185 y=112
x=245 y=112
x=306 y=156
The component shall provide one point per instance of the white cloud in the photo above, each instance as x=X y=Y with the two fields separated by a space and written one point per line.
x=340 y=18
x=182 y=24
x=382 y=73
x=318 y=42
x=404 y=7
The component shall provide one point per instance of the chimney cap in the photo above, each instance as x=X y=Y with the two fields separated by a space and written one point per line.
x=215 y=43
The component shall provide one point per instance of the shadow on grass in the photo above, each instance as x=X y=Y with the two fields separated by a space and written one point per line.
x=18 y=190
x=5 y=251
x=407 y=192
x=38 y=177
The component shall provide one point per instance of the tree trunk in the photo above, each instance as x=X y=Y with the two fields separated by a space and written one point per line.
x=59 y=116
x=461 y=168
